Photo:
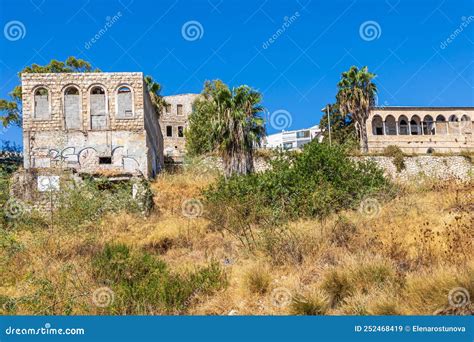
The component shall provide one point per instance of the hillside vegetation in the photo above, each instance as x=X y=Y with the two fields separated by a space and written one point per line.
x=349 y=242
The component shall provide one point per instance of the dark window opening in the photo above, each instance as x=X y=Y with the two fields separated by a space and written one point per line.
x=180 y=131
x=169 y=131
x=105 y=160
x=378 y=131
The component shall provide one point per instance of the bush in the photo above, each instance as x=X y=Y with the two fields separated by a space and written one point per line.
x=313 y=304
x=88 y=202
x=143 y=284
x=314 y=183
x=396 y=153
x=257 y=280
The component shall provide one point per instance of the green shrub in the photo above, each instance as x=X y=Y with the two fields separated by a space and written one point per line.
x=313 y=304
x=143 y=284
x=314 y=183
x=338 y=285
x=398 y=158
x=88 y=202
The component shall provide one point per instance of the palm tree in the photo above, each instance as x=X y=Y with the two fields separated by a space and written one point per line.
x=356 y=96
x=154 y=90
x=236 y=124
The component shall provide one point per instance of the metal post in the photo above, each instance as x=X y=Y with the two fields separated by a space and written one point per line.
x=329 y=125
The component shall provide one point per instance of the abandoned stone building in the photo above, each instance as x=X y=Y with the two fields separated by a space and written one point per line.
x=97 y=123
x=173 y=122
x=420 y=130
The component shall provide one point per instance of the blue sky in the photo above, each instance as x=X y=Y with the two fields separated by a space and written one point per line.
x=405 y=42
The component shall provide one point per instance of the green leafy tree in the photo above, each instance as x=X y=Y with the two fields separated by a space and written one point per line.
x=10 y=109
x=234 y=124
x=342 y=127
x=356 y=97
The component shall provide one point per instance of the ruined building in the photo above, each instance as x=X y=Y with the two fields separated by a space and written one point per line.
x=421 y=130
x=96 y=123
x=173 y=122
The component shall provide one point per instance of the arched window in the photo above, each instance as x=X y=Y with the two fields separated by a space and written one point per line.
x=441 y=125
x=403 y=125
x=377 y=125
x=453 y=124
x=465 y=123
x=98 y=108
x=41 y=109
x=415 y=125
x=124 y=103
x=390 y=125
x=428 y=125
x=453 y=118
x=72 y=108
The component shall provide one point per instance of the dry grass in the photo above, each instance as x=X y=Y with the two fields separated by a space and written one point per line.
x=405 y=260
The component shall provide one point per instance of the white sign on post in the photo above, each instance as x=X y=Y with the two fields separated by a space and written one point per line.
x=48 y=183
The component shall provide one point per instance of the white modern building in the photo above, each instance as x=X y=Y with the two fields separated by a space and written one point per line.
x=293 y=140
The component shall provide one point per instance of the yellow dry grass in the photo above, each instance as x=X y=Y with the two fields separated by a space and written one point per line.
x=404 y=260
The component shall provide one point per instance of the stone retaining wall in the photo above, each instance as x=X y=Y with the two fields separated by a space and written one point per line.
x=449 y=167
x=442 y=167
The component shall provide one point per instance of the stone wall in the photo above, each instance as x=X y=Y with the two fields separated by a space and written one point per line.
x=70 y=133
x=174 y=146
x=416 y=167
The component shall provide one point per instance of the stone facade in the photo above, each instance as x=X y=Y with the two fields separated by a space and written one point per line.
x=97 y=123
x=418 y=167
x=173 y=121
x=421 y=130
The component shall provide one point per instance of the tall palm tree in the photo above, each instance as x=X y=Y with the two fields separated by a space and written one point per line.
x=237 y=125
x=356 y=96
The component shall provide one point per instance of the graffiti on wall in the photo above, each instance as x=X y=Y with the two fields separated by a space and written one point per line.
x=86 y=159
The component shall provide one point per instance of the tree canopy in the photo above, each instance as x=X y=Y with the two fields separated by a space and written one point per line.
x=228 y=121
x=10 y=109
x=356 y=97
